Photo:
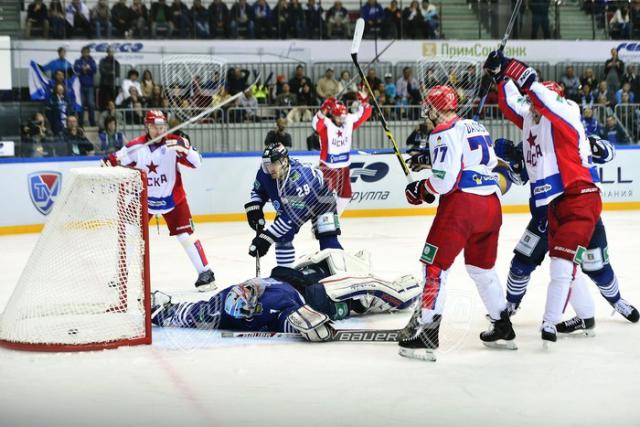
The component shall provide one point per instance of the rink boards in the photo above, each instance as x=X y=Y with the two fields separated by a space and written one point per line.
x=219 y=189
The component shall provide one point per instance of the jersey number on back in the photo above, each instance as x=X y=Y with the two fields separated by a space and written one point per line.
x=484 y=142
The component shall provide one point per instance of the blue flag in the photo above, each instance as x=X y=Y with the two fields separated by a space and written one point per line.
x=39 y=83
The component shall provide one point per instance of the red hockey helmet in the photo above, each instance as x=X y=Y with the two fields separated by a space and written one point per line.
x=442 y=98
x=155 y=117
x=339 y=110
x=551 y=85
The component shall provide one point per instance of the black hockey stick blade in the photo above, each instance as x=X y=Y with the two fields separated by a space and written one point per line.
x=342 y=335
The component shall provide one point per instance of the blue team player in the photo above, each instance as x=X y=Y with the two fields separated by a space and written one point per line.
x=532 y=247
x=328 y=285
x=298 y=194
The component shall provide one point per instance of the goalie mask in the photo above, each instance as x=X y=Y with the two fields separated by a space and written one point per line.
x=275 y=160
x=156 y=123
x=242 y=301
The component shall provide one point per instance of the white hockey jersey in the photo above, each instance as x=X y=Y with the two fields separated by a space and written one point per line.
x=462 y=158
x=164 y=181
x=335 y=141
x=556 y=150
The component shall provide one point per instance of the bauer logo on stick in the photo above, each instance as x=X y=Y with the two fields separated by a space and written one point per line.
x=44 y=187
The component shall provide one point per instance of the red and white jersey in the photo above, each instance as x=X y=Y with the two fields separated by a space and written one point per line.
x=556 y=150
x=335 y=141
x=462 y=158
x=164 y=182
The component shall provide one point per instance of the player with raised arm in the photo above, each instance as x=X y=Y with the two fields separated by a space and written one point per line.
x=563 y=180
x=299 y=194
x=336 y=133
x=328 y=285
x=468 y=218
x=533 y=246
x=166 y=193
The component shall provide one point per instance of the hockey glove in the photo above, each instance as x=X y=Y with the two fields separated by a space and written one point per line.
x=363 y=97
x=311 y=324
x=416 y=193
x=420 y=159
x=255 y=216
x=601 y=150
x=109 y=160
x=180 y=145
x=328 y=105
x=498 y=67
x=261 y=243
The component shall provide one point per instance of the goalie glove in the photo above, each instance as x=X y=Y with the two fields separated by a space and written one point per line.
x=255 y=216
x=416 y=193
x=261 y=243
x=180 y=145
x=420 y=159
x=498 y=67
x=311 y=324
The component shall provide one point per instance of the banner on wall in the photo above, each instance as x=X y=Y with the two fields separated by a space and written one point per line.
x=223 y=183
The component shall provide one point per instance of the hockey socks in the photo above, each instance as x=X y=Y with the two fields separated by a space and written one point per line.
x=194 y=250
x=489 y=288
x=562 y=274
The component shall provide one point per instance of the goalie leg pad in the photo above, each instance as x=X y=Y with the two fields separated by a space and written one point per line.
x=335 y=261
x=312 y=324
x=327 y=225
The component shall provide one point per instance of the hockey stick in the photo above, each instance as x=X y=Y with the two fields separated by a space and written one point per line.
x=349 y=335
x=258 y=257
x=355 y=47
x=484 y=89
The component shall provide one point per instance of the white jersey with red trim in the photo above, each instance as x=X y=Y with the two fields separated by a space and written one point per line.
x=462 y=158
x=335 y=141
x=556 y=150
x=164 y=181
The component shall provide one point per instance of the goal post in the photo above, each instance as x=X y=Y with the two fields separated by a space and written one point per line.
x=86 y=284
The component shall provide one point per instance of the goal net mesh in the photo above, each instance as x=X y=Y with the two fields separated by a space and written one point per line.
x=85 y=282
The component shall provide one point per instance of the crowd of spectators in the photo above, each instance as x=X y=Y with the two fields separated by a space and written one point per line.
x=202 y=20
x=621 y=18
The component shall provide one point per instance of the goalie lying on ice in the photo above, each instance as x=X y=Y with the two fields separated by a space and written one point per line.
x=328 y=285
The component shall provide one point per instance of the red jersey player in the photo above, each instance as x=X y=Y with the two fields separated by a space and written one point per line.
x=335 y=143
x=468 y=218
x=166 y=194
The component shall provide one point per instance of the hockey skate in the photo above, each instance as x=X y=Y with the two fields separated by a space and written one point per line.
x=501 y=334
x=549 y=334
x=206 y=281
x=576 y=324
x=419 y=341
x=628 y=311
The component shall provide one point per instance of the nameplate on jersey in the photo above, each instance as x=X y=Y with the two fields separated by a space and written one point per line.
x=546 y=189
x=161 y=203
x=471 y=179
x=338 y=158
x=527 y=243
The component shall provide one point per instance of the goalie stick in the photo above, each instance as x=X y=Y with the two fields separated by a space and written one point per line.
x=343 y=335
x=355 y=47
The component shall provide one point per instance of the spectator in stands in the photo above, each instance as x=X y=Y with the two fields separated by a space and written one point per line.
x=313 y=18
x=413 y=21
x=603 y=92
x=298 y=79
x=200 y=16
x=155 y=99
x=392 y=21
x=634 y=18
x=58 y=107
x=111 y=139
x=85 y=67
x=348 y=86
x=286 y=99
x=110 y=111
x=338 y=21
x=390 y=88
x=36 y=138
x=280 y=18
x=101 y=19
x=139 y=17
x=430 y=18
x=261 y=91
x=406 y=86
x=219 y=19
x=619 y=27
x=181 y=18
x=632 y=77
x=373 y=15
x=57 y=22
x=109 y=69
x=625 y=90
x=78 y=19
x=220 y=96
x=37 y=17
x=313 y=141
x=614 y=133
x=571 y=83
x=586 y=97
x=279 y=134
x=588 y=78
x=590 y=123
x=262 y=19
x=237 y=80
x=160 y=17
x=133 y=105
x=75 y=138
x=242 y=19
x=540 y=18
x=327 y=85
x=60 y=63
x=372 y=79
x=295 y=20
x=277 y=88
x=147 y=84
x=249 y=103
x=121 y=18
x=60 y=77
x=419 y=138
x=306 y=98
x=130 y=81
x=613 y=70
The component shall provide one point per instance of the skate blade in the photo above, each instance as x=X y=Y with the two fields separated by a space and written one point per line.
x=206 y=288
x=590 y=333
x=501 y=345
x=547 y=345
x=418 y=354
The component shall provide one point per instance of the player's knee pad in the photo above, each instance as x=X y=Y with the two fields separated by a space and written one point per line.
x=327 y=225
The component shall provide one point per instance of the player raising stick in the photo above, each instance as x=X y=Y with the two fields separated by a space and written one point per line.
x=468 y=218
x=167 y=197
x=336 y=135
x=556 y=153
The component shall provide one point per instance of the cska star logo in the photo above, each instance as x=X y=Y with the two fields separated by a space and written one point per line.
x=44 y=187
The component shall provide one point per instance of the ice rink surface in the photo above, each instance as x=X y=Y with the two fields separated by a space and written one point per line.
x=195 y=378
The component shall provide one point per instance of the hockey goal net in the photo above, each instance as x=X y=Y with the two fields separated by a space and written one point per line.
x=86 y=283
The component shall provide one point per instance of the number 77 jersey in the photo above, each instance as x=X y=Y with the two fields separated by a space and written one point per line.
x=462 y=158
